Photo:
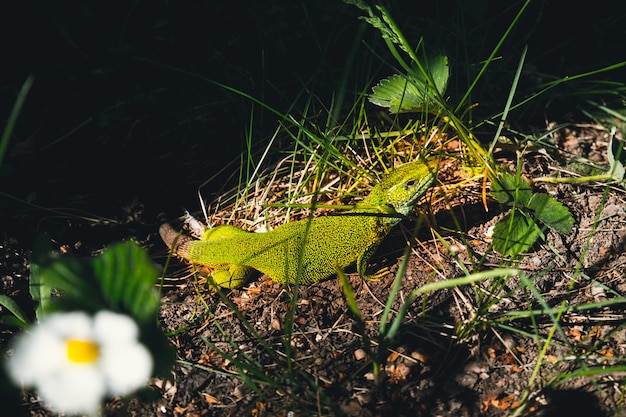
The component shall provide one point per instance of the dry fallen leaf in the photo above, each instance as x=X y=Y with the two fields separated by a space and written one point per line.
x=210 y=399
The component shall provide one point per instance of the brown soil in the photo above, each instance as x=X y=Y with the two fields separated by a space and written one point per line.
x=444 y=361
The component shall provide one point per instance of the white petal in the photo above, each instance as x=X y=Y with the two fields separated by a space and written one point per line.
x=76 y=390
x=125 y=362
x=126 y=367
x=36 y=355
x=40 y=360
x=73 y=325
x=111 y=327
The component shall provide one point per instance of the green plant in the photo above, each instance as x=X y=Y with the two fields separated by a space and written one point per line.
x=417 y=91
x=100 y=314
x=518 y=230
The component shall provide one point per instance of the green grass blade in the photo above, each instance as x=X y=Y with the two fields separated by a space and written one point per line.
x=509 y=100
x=349 y=294
x=15 y=112
x=397 y=283
x=490 y=58
x=18 y=318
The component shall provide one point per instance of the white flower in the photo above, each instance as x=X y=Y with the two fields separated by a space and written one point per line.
x=74 y=360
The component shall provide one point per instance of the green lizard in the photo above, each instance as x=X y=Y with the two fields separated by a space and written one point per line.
x=311 y=249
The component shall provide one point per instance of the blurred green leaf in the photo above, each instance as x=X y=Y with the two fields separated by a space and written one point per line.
x=551 y=212
x=38 y=291
x=128 y=279
x=121 y=279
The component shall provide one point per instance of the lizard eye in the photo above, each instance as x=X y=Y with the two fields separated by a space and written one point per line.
x=410 y=184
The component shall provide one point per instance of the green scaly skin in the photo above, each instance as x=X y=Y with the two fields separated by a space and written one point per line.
x=313 y=249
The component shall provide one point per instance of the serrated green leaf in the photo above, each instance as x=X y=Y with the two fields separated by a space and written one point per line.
x=439 y=70
x=121 y=279
x=414 y=92
x=398 y=95
x=511 y=190
x=551 y=212
x=515 y=233
x=128 y=280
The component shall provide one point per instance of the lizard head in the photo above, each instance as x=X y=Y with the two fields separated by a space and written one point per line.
x=399 y=190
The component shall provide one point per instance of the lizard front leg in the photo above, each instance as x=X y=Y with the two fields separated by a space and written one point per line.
x=231 y=276
x=362 y=265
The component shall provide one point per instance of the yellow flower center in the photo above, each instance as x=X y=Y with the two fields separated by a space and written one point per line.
x=82 y=351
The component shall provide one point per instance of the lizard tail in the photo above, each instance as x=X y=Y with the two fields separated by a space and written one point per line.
x=178 y=243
